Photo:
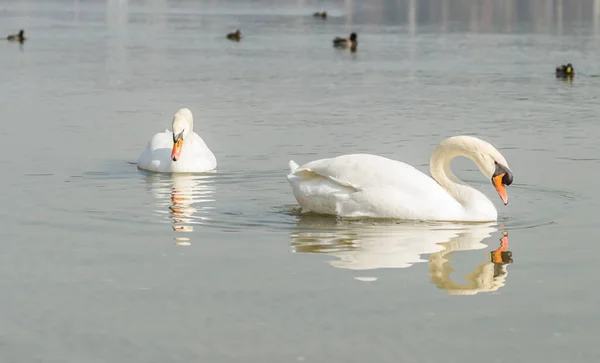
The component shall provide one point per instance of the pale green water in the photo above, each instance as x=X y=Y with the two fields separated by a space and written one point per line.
x=93 y=268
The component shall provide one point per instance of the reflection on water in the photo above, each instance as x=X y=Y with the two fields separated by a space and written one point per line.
x=568 y=80
x=487 y=277
x=478 y=16
x=361 y=245
x=184 y=200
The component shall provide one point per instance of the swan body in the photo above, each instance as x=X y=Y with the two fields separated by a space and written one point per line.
x=178 y=151
x=363 y=185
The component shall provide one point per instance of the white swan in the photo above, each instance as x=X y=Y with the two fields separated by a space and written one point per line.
x=362 y=185
x=179 y=151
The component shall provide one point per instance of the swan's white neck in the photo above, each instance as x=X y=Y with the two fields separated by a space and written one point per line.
x=472 y=200
x=184 y=124
x=183 y=120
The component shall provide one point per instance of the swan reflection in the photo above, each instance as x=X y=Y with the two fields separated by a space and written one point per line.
x=487 y=277
x=367 y=245
x=183 y=200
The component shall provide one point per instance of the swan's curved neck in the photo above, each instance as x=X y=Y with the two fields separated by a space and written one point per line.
x=183 y=124
x=469 y=197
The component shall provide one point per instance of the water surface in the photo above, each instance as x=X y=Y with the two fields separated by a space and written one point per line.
x=102 y=262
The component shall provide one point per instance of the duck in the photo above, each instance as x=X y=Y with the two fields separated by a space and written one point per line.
x=365 y=185
x=19 y=37
x=178 y=151
x=350 y=43
x=565 y=71
x=322 y=15
x=236 y=35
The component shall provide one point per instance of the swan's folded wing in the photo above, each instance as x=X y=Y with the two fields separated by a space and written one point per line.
x=360 y=171
x=307 y=173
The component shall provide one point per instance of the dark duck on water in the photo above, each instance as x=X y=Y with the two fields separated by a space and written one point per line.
x=348 y=43
x=565 y=71
x=19 y=37
x=235 y=36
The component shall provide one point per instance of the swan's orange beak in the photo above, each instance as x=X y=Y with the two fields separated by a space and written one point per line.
x=500 y=187
x=502 y=177
x=177 y=149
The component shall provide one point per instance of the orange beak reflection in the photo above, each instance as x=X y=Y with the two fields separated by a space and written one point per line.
x=177 y=149
x=500 y=188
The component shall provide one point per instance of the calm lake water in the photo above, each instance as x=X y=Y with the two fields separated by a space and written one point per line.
x=101 y=262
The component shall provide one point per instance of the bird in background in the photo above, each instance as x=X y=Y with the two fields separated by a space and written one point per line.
x=321 y=14
x=565 y=70
x=235 y=36
x=19 y=37
x=347 y=43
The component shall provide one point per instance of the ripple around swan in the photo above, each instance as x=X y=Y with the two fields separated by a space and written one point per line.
x=239 y=201
x=523 y=211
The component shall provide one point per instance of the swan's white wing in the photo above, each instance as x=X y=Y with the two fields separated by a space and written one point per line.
x=157 y=155
x=360 y=171
x=203 y=158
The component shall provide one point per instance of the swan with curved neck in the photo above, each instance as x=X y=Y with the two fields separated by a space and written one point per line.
x=363 y=185
x=178 y=151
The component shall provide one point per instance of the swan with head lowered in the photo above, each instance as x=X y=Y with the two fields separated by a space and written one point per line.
x=362 y=185
x=178 y=151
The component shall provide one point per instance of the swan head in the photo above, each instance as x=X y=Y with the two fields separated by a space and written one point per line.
x=353 y=37
x=493 y=165
x=487 y=158
x=183 y=126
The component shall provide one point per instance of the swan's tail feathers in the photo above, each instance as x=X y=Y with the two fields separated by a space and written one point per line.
x=293 y=166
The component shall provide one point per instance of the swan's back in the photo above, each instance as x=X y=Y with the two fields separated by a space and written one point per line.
x=361 y=171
